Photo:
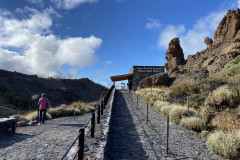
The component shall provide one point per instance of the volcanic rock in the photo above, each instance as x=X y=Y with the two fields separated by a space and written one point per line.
x=209 y=62
x=228 y=27
x=208 y=42
x=174 y=56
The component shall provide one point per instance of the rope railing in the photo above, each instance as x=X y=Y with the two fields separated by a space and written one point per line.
x=82 y=136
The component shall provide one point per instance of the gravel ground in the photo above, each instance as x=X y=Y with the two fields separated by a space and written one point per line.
x=132 y=138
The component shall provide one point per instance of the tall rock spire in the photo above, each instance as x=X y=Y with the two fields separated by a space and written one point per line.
x=174 y=56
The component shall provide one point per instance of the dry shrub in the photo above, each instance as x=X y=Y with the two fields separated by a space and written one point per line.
x=185 y=88
x=167 y=108
x=222 y=96
x=179 y=112
x=204 y=134
x=62 y=111
x=193 y=123
x=31 y=116
x=19 y=117
x=225 y=121
x=159 y=104
x=226 y=145
x=205 y=114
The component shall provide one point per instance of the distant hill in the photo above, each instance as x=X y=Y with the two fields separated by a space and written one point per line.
x=17 y=90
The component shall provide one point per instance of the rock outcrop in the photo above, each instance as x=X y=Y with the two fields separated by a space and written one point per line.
x=229 y=27
x=208 y=42
x=210 y=61
x=159 y=79
x=174 y=56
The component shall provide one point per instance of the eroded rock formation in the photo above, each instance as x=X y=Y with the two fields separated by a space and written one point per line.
x=210 y=61
x=208 y=42
x=174 y=56
x=228 y=27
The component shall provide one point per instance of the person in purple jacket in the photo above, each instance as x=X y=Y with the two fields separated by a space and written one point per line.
x=44 y=104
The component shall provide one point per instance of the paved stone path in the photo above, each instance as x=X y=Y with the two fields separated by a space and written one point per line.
x=49 y=141
x=132 y=138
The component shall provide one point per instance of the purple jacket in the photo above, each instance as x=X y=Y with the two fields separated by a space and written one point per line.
x=43 y=103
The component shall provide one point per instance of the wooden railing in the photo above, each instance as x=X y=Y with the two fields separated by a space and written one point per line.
x=81 y=137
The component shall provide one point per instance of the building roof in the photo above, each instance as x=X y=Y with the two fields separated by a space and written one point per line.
x=121 y=77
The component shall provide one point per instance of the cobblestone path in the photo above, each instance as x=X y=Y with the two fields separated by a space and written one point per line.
x=132 y=138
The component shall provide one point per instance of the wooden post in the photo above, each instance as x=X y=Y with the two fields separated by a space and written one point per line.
x=84 y=108
x=81 y=144
x=137 y=100
x=187 y=106
x=74 y=111
x=131 y=95
x=167 y=133
x=101 y=108
x=151 y=91
x=147 y=113
x=98 y=116
x=93 y=124
x=104 y=102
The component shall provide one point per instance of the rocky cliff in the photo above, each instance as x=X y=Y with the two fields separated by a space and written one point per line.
x=224 y=48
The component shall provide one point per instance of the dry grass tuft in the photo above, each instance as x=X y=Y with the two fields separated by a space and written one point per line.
x=167 y=108
x=60 y=111
x=159 y=104
x=224 y=144
x=179 y=112
x=19 y=117
x=193 y=123
x=222 y=96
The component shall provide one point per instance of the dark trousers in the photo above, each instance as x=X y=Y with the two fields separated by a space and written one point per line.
x=42 y=115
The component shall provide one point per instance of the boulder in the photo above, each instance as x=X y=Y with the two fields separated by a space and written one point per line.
x=6 y=124
x=174 y=56
x=159 y=79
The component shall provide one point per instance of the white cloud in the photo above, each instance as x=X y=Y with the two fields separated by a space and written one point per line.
x=153 y=24
x=36 y=2
x=192 y=40
x=42 y=52
x=169 y=33
x=70 y=4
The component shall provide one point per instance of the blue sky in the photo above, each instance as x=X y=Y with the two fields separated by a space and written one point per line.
x=101 y=38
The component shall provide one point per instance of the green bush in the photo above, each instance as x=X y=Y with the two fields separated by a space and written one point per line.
x=232 y=68
x=226 y=145
x=192 y=123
